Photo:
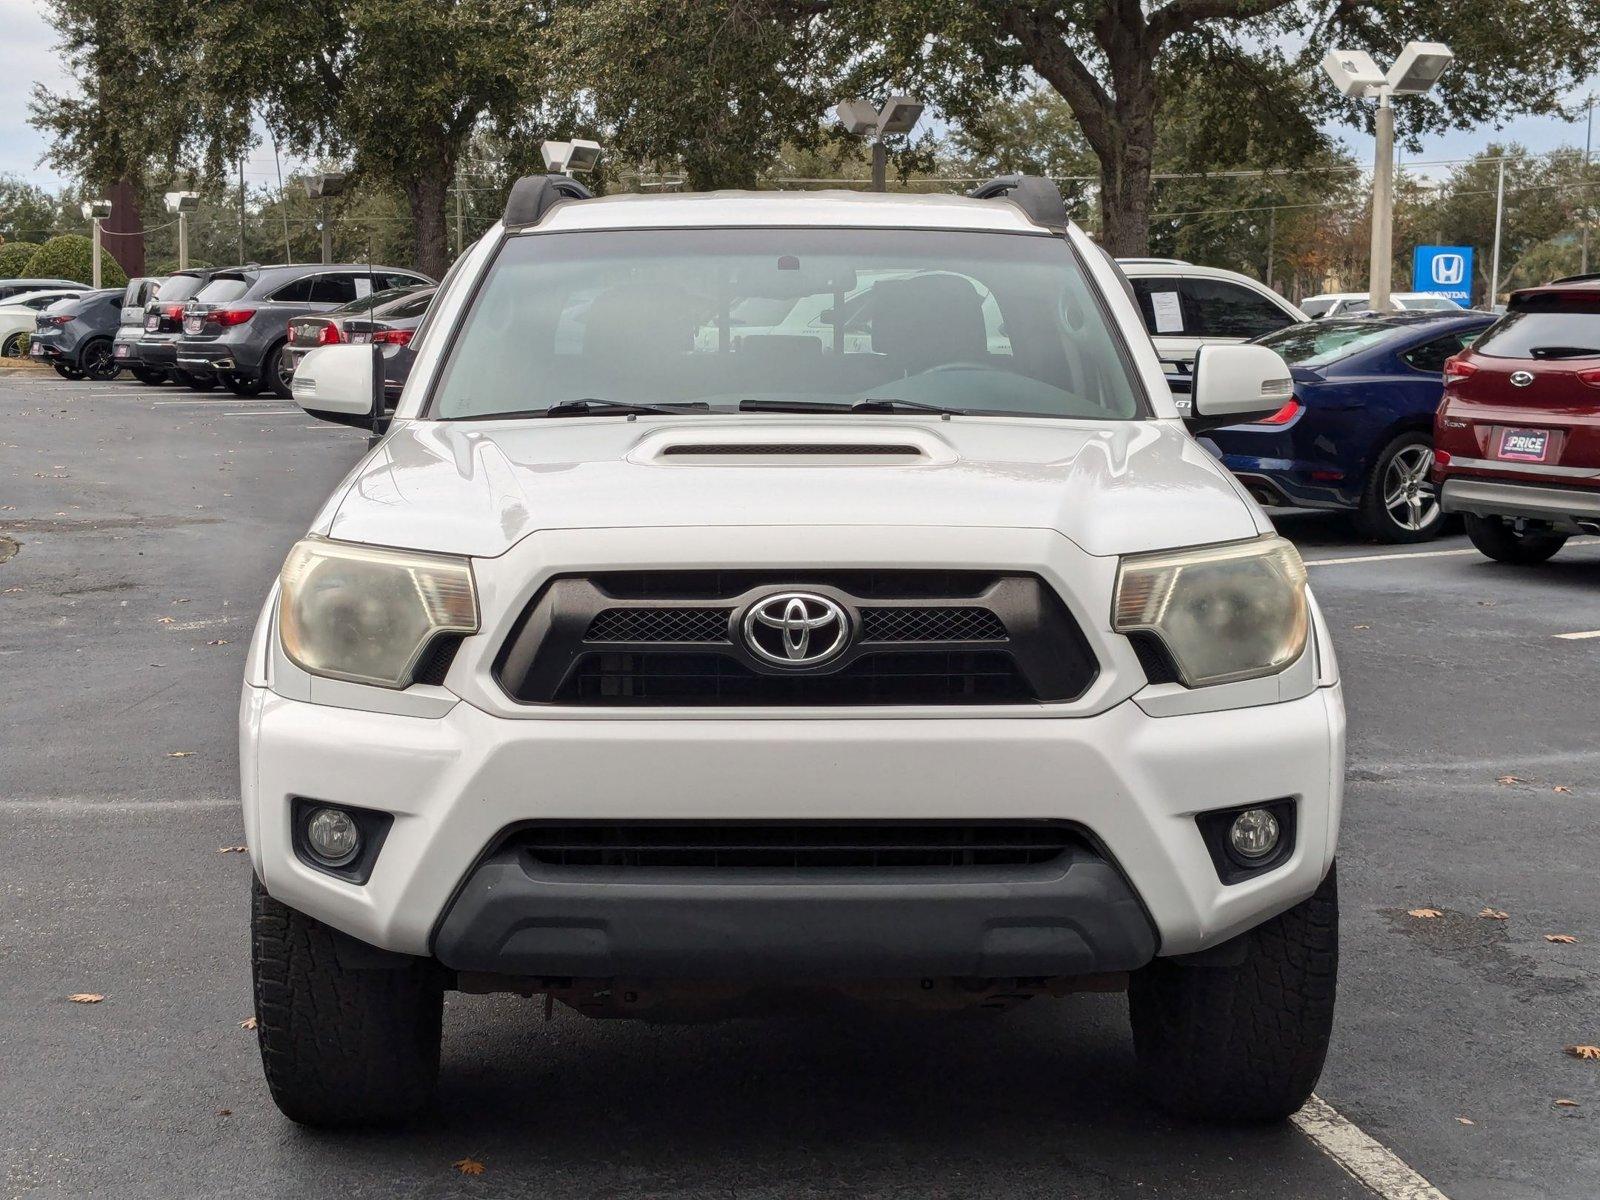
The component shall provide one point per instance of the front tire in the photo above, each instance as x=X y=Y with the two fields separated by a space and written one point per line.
x=342 y=1043
x=1400 y=502
x=1242 y=1043
x=1499 y=539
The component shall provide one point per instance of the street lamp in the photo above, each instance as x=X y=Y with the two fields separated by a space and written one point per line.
x=183 y=203
x=1356 y=75
x=95 y=211
x=324 y=186
x=568 y=158
x=899 y=115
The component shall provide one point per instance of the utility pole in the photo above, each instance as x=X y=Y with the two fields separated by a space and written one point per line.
x=241 y=209
x=95 y=211
x=1583 y=192
x=1499 y=212
x=1378 y=285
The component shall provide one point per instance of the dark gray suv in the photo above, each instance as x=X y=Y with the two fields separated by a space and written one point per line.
x=74 y=336
x=236 y=326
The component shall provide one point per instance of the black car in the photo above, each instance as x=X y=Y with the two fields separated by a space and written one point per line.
x=156 y=351
x=385 y=319
x=74 y=336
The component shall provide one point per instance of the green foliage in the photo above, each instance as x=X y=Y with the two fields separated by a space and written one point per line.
x=28 y=213
x=14 y=258
x=71 y=256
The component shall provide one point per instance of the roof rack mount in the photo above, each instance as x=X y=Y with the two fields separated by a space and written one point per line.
x=533 y=196
x=1039 y=199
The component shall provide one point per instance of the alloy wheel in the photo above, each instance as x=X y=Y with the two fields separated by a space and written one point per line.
x=1409 y=496
x=13 y=347
x=97 y=362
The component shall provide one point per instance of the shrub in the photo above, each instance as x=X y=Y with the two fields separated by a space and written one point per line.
x=70 y=256
x=14 y=257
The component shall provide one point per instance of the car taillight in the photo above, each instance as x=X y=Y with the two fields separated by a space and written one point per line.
x=1591 y=377
x=173 y=312
x=43 y=321
x=228 y=317
x=1455 y=370
x=393 y=337
x=1284 y=415
x=329 y=335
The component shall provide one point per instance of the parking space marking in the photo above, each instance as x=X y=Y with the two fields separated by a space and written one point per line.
x=1369 y=558
x=267 y=412
x=1578 y=637
x=113 y=804
x=1367 y=1160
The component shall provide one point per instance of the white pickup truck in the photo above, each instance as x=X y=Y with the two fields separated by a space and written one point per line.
x=658 y=665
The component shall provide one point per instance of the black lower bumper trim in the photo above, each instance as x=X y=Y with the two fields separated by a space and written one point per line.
x=1074 y=915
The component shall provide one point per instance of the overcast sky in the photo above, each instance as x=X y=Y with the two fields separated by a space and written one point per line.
x=26 y=58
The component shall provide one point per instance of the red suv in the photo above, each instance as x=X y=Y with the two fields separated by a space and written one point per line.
x=1517 y=435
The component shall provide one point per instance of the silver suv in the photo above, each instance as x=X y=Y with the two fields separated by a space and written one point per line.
x=235 y=327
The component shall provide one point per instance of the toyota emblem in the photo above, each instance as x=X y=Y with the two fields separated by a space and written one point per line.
x=796 y=629
x=1521 y=378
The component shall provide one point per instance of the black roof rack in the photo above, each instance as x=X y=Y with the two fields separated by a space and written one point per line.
x=1039 y=199
x=533 y=196
x=1588 y=278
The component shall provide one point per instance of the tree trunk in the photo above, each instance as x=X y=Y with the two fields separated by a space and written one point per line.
x=1125 y=201
x=426 y=192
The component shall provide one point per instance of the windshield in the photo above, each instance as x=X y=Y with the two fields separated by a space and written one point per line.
x=223 y=288
x=966 y=322
x=179 y=287
x=1563 y=329
x=1326 y=341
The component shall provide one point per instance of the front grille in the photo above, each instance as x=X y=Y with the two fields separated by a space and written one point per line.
x=676 y=638
x=923 y=624
x=668 y=680
x=809 y=846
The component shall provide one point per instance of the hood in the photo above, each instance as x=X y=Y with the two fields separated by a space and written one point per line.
x=477 y=488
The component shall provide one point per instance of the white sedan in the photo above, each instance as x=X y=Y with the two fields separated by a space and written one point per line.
x=18 y=314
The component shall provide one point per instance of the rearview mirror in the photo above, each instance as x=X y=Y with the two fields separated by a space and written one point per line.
x=1234 y=385
x=342 y=384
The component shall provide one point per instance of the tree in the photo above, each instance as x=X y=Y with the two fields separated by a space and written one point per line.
x=71 y=256
x=14 y=258
x=27 y=212
x=1119 y=63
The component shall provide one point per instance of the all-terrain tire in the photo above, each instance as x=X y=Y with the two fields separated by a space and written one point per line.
x=1242 y=1043
x=343 y=1043
x=1501 y=542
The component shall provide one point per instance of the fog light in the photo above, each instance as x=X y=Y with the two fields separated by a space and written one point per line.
x=1253 y=834
x=332 y=836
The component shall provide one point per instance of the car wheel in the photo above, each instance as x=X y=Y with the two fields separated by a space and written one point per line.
x=14 y=346
x=65 y=371
x=341 y=1045
x=96 y=361
x=1499 y=539
x=1400 y=502
x=278 y=371
x=147 y=377
x=242 y=385
x=1242 y=1041
x=198 y=383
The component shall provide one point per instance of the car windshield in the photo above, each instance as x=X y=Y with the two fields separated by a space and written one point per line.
x=817 y=319
x=1548 y=329
x=1326 y=341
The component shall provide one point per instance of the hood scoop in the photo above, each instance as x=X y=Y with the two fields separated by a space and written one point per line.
x=774 y=446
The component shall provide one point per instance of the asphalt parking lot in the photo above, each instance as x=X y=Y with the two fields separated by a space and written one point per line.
x=139 y=530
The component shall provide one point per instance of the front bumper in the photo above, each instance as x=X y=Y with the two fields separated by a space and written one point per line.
x=456 y=782
x=1570 y=509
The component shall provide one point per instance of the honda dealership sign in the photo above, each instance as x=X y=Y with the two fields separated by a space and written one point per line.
x=1445 y=270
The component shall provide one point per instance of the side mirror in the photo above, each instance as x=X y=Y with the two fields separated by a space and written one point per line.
x=343 y=384
x=1234 y=385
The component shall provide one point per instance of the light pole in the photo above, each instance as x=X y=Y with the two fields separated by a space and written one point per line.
x=899 y=114
x=95 y=211
x=568 y=158
x=1583 y=191
x=324 y=187
x=1356 y=75
x=183 y=203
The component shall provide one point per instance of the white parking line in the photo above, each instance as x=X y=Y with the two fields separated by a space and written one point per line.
x=266 y=412
x=1370 y=1162
x=1578 y=637
x=1367 y=558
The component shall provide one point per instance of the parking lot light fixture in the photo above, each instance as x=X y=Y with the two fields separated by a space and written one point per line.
x=898 y=115
x=183 y=203
x=94 y=212
x=570 y=158
x=1357 y=76
x=324 y=186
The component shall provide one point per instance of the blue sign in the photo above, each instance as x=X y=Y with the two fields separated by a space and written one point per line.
x=1444 y=270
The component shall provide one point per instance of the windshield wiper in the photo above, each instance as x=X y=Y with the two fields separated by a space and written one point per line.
x=861 y=406
x=1563 y=352
x=588 y=408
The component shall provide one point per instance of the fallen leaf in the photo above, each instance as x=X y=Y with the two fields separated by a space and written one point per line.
x=181 y=600
x=1361 y=627
x=1562 y=788
x=1589 y=1053
x=218 y=642
x=86 y=998
x=166 y=621
x=248 y=1023
x=1510 y=779
x=224 y=1112
x=9 y=591
x=468 y=1166
x=1494 y=914
x=1565 y=1103
x=1466 y=1120
x=231 y=849
x=179 y=753
x=1424 y=914
x=1561 y=939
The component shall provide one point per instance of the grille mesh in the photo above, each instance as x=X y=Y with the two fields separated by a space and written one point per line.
x=659 y=625
x=920 y=624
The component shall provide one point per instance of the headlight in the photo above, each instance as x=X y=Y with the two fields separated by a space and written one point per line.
x=366 y=614
x=1223 y=612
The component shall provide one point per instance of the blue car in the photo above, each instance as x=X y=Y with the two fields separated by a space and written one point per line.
x=1358 y=434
